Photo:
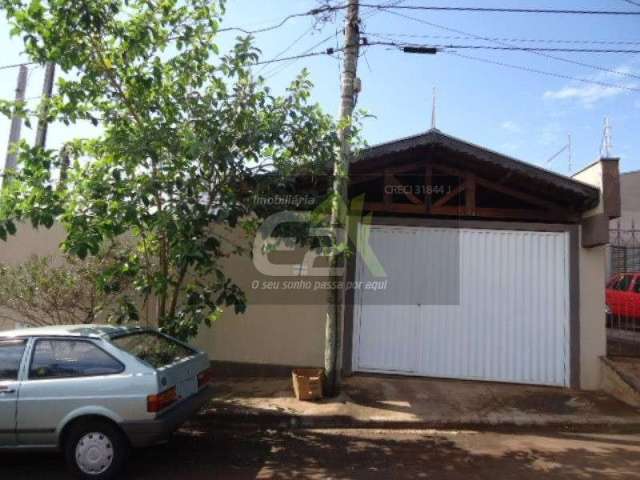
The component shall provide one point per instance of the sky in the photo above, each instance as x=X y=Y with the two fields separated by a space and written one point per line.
x=520 y=113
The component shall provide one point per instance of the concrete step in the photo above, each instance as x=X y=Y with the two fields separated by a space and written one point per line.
x=621 y=379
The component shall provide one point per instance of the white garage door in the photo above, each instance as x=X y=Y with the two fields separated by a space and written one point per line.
x=464 y=303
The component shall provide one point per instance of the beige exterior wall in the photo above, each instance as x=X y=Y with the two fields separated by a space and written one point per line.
x=592 y=267
x=290 y=332
x=281 y=326
x=268 y=334
x=593 y=340
x=26 y=243
x=592 y=175
x=6 y=325
x=29 y=242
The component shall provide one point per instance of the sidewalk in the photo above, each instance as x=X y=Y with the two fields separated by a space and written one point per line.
x=376 y=401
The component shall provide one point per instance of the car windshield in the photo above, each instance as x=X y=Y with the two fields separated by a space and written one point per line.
x=153 y=348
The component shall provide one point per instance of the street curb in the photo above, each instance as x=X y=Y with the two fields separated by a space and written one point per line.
x=283 y=421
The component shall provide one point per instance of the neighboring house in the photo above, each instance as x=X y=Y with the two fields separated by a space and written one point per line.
x=630 y=201
x=470 y=264
x=624 y=252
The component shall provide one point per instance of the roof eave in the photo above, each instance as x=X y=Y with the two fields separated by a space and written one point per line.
x=589 y=193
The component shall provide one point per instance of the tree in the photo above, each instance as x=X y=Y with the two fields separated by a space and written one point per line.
x=185 y=129
x=45 y=291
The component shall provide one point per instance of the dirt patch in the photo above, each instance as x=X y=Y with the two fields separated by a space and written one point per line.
x=543 y=402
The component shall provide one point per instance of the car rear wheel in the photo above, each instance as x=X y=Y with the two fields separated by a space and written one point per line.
x=96 y=450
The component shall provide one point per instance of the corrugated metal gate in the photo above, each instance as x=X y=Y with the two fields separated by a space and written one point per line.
x=465 y=303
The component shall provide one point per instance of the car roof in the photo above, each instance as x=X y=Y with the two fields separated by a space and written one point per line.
x=92 y=331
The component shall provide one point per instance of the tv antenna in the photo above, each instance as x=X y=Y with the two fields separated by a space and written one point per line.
x=607 y=145
x=433 y=110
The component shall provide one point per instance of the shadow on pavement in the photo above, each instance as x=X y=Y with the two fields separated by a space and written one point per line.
x=199 y=453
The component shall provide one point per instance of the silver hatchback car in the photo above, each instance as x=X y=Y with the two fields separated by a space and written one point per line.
x=94 y=391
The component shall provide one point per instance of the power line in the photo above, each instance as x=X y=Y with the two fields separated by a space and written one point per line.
x=397 y=5
x=366 y=16
x=291 y=45
x=543 y=72
x=312 y=12
x=508 y=39
x=328 y=51
x=311 y=48
x=503 y=10
x=506 y=48
x=632 y=2
x=542 y=54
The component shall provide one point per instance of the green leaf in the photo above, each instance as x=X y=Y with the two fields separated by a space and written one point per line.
x=182 y=124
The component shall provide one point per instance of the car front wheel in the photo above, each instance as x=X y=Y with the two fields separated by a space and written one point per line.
x=96 y=450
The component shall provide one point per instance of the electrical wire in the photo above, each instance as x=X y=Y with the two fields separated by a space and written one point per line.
x=508 y=39
x=312 y=12
x=480 y=59
x=542 y=54
x=290 y=46
x=366 y=16
x=505 y=48
x=543 y=72
x=302 y=55
x=503 y=10
x=328 y=51
x=632 y=2
x=397 y=5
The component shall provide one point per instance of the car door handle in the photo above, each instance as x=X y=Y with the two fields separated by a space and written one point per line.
x=7 y=390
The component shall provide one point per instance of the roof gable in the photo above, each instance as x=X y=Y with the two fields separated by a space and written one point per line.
x=504 y=167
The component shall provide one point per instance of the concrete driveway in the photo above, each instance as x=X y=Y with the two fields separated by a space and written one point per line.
x=408 y=402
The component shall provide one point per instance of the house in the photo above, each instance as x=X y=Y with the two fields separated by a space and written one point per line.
x=493 y=269
x=624 y=249
x=468 y=264
x=630 y=201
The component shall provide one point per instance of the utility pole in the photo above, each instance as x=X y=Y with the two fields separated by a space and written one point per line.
x=47 y=90
x=64 y=168
x=340 y=196
x=11 y=159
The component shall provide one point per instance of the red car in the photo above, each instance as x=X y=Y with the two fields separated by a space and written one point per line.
x=623 y=301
